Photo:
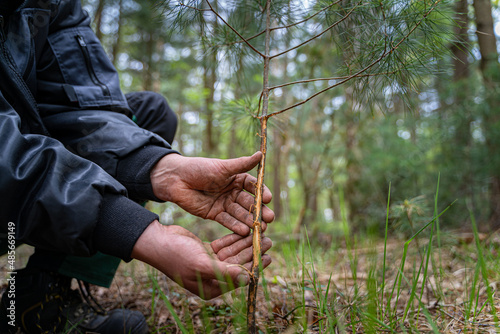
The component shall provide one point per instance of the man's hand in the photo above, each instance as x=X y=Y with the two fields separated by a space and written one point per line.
x=207 y=270
x=215 y=189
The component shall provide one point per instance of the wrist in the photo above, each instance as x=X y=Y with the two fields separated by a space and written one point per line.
x=164 y=175
x=153 y=243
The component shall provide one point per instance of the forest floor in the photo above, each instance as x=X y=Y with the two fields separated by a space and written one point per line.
x=325 y=288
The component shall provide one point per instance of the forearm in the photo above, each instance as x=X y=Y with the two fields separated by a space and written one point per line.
x=115 y=143
x=58 y=200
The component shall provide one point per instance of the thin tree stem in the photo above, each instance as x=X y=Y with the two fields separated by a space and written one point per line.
x=257 y=221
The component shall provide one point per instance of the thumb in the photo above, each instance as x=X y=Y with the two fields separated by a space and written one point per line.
x=241 y=165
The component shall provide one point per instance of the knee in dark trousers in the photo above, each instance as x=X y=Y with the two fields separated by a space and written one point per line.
x=153 y=114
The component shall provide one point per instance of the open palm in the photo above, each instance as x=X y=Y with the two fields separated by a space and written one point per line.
x=215 y=189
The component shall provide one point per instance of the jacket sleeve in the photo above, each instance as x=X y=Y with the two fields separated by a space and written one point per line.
x=82 y=105
x=60 y=201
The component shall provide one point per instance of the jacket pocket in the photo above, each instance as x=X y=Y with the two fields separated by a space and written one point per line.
x=90 y=68
x=88 y=77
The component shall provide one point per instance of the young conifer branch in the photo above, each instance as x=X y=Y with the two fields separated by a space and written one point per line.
x=291 y=25
x=234 y=30
x=333 y=25
x=332 y=78
x=182 y=4
x=245 y=40
x=360 y=72
x=211 y=9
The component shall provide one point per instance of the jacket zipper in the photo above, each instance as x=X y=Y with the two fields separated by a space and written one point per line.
x=90 y=68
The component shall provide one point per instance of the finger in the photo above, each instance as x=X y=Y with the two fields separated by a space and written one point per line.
x=226 y=220
x=214 y=288
x=242 y=253
x=227 y=273
x=249 y=185
x=207 y=289
x=227 y=277
x=267 y=196
x=231 y=250
x=215 y=277
x=247 y=201
x=240 y=213
x=267 y=214
x=266 y=244
x=266 y=261
x=241 y=165
x=225 y=241
x=243 y=215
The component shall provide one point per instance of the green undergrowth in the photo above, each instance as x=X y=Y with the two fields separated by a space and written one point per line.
x=434 y=281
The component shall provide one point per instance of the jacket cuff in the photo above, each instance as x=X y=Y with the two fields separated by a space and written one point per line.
x=121 y=222
x=133 y=172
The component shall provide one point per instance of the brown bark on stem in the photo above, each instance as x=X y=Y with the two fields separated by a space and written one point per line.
x=257 y=222
x=257 y=235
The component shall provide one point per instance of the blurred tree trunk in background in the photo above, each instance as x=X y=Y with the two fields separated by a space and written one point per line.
x=148 y=32
x=490 y=69
x=309 y=170
x=353 y=169
x=459 y=47
x=191 y=66
x=98 y=18
x=351 y=122
x=461 y=112
x=118 y=36
x=485 y=36
x=279 y=165
x=238 y=94
x=209 y=79
x=147 y=83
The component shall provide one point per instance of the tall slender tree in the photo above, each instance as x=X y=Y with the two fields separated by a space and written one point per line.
x=491 y=116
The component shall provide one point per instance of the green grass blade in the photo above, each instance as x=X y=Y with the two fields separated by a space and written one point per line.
x=384 y=262
x=438 y=230
x=403 y=260
x=482 y=264
x=168 y=305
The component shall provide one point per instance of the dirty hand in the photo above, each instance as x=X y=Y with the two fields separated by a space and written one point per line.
x=207 y=270
x=215 y=189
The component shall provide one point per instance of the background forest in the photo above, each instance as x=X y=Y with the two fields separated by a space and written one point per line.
x=446 y=122
x=332 y=161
